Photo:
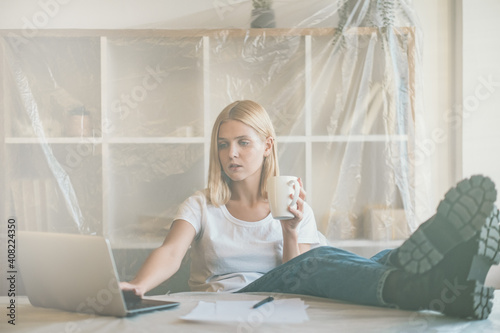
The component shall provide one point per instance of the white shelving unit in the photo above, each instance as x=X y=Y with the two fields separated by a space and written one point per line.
x=151 y=138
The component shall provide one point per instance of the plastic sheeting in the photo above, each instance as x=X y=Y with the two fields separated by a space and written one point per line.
x=107 y=132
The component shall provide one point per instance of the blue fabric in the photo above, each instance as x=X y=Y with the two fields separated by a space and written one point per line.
x=329 y=272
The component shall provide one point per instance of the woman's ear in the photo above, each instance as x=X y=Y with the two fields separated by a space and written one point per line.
x=269 y=146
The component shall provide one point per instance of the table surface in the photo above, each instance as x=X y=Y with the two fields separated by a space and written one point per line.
x=324 y=316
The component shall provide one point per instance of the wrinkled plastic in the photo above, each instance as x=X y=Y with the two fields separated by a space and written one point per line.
x=107 y=132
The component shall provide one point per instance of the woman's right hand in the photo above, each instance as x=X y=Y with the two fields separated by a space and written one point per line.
x=155 y=270
x=127 y=286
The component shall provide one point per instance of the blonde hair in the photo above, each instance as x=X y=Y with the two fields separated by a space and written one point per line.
x=251 y=114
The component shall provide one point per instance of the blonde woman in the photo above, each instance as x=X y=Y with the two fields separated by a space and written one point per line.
x=236 y=245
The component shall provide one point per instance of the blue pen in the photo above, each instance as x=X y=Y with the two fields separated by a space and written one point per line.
x=264 y=301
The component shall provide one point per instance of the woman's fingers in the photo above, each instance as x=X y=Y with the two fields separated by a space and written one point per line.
x=126 y=286
x=302 y=191
x=297 y=212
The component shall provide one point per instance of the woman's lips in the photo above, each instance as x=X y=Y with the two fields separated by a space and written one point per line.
x=234 y=167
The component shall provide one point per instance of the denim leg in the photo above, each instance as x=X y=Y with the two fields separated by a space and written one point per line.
x=382 y=257
x=327 y=272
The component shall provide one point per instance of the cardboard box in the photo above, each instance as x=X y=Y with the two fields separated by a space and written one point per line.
x=343 y=225
x=384 y=223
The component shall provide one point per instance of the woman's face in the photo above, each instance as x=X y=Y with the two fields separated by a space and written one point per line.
x=241 y=151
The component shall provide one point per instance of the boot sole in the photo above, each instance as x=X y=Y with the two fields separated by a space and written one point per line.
x=488 y=251
x=460 y=215
x=488 y=254
x=478 y=302
x=481 y=302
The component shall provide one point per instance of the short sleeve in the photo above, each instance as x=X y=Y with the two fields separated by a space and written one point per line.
x=192 y=211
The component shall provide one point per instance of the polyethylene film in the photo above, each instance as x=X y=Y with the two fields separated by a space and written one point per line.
x=108 y=132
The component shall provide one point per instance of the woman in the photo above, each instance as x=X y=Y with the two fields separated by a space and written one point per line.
x=238 y=247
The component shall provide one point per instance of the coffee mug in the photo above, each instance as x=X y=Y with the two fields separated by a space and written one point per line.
x=279 y=189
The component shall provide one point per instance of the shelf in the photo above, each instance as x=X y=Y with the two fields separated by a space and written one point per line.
x=364 y=247
x=153 y=95
x=182 y=33
x=156 y=140
x=342 y=244
x=128 y=244
x=355 y=243
x=85 y=140
x=343 y=138
x=145 y=140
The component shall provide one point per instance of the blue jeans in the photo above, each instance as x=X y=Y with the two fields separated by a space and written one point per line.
x=329 y=272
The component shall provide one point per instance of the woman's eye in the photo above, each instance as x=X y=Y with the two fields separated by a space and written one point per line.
x=244 y=143
x=222 y=145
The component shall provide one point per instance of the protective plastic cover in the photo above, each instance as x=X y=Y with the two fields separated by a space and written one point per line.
x=107 y=132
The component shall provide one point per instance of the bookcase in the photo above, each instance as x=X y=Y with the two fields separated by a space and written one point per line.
x=108 y=131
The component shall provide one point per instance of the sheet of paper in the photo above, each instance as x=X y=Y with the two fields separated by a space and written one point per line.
x=291 y=310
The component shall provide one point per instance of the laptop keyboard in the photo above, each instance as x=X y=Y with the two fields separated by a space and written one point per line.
x=137 y=305
x=134 y=302
x=147 y=304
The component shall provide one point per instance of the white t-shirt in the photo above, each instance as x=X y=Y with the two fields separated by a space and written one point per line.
x=228 y=253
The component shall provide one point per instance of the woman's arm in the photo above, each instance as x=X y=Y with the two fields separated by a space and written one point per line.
x=164 y=261
x=291 y=246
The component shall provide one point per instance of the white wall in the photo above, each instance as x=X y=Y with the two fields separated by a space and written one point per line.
x=96 y=14
x=437 y=20
x=176 y=14
x=481 y=88
x=462 y=87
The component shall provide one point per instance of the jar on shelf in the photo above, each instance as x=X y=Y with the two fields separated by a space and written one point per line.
x=79 y=122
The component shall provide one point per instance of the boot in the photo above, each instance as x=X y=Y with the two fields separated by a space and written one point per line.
x=486 y=249
x=460 y=215
x=454 y=286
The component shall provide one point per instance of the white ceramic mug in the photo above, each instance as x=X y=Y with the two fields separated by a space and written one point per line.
x=279 y=189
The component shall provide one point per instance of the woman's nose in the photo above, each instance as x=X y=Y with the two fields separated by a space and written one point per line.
x=233 y=150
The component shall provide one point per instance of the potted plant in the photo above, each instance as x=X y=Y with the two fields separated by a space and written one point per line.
x=262 y=14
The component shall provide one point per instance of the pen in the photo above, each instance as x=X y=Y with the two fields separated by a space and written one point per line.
x=264 y=301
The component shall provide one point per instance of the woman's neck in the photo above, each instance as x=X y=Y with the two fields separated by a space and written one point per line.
x=246 y=203
x=247 y=193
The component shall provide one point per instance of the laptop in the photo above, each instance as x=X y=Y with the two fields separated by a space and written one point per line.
x=76 y=273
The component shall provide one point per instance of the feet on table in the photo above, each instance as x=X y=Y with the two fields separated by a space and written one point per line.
x=443 y=264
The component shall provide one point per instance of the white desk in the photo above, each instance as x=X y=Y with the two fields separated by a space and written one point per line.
x=325 y=316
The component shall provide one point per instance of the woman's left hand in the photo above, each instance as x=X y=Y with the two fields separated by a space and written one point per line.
x=298 y=213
